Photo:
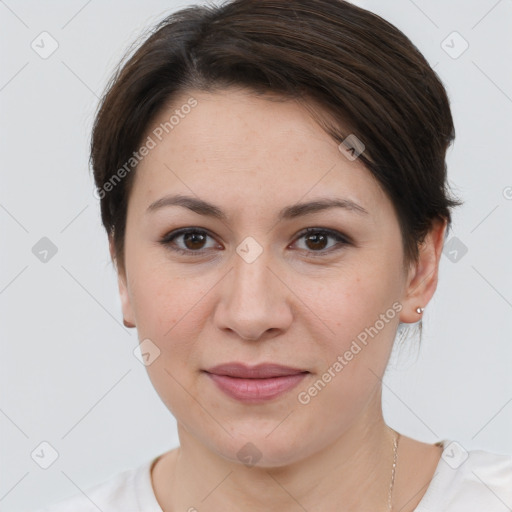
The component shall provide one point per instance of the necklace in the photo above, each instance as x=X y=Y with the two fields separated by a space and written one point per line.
x=395 y=456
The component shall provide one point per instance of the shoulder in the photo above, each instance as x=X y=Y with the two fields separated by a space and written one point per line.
x=126 y=491
x=469 y=480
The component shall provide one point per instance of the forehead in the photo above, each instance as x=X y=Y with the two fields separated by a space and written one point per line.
x=234 y=145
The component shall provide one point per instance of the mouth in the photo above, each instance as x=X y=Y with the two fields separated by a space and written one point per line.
x=253 y=384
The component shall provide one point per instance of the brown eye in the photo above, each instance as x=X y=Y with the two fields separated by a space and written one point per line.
x=316 y=240
x=191 y=241
x=194 y=240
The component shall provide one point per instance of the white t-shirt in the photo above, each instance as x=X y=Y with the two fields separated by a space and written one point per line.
x=474 y=481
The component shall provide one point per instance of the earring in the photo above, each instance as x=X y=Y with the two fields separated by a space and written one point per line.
x=127 y=324
x=420 y=310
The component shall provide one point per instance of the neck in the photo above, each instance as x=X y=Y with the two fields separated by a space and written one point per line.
x=352 y=474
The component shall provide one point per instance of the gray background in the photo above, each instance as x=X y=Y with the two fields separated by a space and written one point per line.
x=68 y=375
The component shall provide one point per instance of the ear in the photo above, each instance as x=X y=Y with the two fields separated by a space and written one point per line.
x=422 y=277
x=128 y=316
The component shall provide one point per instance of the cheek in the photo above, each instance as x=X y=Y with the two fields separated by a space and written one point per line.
x=172 y=309
x=354 y=358
x=166 y=299
x=169 y=312
x=360 y=312
x=355 y=299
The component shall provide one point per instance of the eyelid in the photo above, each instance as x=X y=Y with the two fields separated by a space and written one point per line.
x=332 y=232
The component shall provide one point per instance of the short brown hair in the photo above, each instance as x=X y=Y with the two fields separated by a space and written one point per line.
x=366 y=76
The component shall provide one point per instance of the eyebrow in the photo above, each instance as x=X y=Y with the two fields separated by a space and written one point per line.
x=290 y=212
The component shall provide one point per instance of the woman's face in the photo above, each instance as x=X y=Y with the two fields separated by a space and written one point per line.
x=251 y=287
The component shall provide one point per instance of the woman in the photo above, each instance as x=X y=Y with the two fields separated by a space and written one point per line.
x=272 y=180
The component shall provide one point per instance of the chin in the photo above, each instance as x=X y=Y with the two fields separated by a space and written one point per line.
x=259 y=449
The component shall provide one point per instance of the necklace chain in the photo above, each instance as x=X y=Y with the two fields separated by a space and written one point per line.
x=395 y=457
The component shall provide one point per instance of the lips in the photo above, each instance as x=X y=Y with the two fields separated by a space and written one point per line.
x=255 y=383
x=260 y=371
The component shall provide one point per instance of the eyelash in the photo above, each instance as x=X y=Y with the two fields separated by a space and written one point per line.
x=341 y=240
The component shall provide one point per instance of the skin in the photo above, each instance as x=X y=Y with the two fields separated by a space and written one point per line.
x=252 y=157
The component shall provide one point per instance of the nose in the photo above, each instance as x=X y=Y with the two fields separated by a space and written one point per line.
x=254 y=302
